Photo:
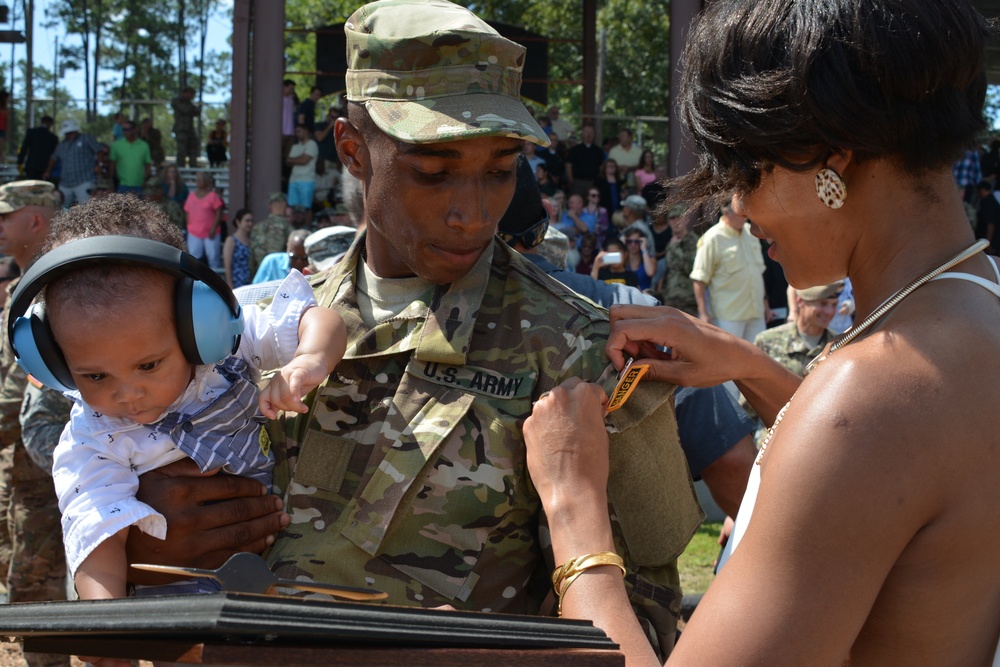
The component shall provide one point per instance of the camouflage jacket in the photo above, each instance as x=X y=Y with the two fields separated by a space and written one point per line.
x=175 y=213
x=408 y=473
x=267 y=236
x=786 y=345
x=12 y=387
x=44 y=414
x=678 y=290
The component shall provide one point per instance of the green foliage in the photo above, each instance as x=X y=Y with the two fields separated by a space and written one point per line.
x=697 y=563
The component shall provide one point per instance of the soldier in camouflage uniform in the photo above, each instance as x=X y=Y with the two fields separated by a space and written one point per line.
x=270 y=234
x=188 y=143
x=38 y=565
x=794 y=344
x=677 y=289
x=409 y=472
x=153 y=191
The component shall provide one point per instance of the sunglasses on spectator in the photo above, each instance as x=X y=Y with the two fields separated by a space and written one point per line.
x=530 y=237
x=297 y=258
x=633 y=241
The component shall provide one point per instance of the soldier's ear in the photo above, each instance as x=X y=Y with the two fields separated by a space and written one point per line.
x=351 y=147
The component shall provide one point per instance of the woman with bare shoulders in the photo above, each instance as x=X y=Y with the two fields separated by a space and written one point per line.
x=833 y=126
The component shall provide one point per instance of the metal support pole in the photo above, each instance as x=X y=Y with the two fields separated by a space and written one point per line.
x=682 y=157
x=239 y=129
x=268 y=63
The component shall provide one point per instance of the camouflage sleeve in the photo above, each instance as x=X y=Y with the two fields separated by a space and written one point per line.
x=11 y=395
x=44 y=414
x=654 y=509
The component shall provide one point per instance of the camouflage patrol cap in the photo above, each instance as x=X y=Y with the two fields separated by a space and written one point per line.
x=18 y=194
x=821 y=291
x=430 y=71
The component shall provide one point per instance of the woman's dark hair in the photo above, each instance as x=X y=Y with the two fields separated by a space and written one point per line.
x=236 y=218
x=790 y=82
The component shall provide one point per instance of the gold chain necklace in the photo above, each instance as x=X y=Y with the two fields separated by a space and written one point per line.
x=879 y=312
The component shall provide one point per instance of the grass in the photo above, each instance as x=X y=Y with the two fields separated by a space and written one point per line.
x=697 y=563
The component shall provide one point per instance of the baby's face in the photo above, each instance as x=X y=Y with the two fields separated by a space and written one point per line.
x=127 y=363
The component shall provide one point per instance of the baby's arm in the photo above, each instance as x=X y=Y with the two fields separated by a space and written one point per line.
x=102 y=574
x=322 y=342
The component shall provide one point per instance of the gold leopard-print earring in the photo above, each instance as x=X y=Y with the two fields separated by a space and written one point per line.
x=830 y=188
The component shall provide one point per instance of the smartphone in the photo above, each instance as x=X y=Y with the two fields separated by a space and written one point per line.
x=612 y=258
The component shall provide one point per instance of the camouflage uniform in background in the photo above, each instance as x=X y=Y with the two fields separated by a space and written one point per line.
x=44 y=413
x=678 y=290
x=786 y=345
x=38 y=561
x=408 y=473
x=188 y=143
x=174 y=212
x=267 y=236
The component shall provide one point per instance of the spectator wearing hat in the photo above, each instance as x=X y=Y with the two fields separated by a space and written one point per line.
x=37 y=147
x=676 y=287
x=326 y=246
x=796 y=343
x=634 y=210
x=29 y=509
x=729 y=270
x=269 y=235
x=76 y=153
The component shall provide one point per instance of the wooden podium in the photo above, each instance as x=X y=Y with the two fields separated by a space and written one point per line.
x=242 y=629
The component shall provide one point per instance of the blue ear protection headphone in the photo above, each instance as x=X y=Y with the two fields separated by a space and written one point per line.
x=208 y=316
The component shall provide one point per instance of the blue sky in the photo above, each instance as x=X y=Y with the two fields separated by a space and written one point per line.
x=219 y=29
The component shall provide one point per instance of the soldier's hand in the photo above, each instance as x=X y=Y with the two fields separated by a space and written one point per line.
x=208 y=519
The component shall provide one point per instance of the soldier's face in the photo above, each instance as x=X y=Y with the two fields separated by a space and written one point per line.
x=433 y=208
x=814 y=316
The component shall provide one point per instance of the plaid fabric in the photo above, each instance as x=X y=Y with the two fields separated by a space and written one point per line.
x=78 y=156
x=227 y=431
x=967 y=170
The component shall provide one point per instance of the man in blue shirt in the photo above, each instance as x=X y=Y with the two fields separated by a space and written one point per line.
x=77 y=153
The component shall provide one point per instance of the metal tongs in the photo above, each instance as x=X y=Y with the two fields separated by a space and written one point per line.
x=248 y=573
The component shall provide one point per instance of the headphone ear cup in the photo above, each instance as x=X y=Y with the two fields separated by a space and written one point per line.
x=37 y=351
x=206 y=328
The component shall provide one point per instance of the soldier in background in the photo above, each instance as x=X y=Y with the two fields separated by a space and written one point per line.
x=188 y=142
x=270 y=234
x=676 y=286
x=37 y=563
x=153 y=191
x=796 y=343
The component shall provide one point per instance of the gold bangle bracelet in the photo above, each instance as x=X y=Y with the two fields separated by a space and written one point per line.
x=567 y=573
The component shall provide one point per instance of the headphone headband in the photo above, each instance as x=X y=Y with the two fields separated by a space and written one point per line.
x=96 y=251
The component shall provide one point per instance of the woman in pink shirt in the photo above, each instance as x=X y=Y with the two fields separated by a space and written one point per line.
x=204 y=212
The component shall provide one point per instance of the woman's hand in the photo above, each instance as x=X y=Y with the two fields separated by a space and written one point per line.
x=567 y=444
x=700 y=354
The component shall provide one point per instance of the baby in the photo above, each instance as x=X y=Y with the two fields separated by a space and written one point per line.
x=141 y=403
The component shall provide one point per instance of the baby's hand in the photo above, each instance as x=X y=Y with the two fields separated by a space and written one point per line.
x=286 y=389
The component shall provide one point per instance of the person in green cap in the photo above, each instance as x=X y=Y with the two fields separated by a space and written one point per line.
x=410 y=473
